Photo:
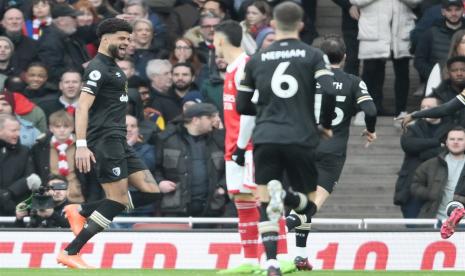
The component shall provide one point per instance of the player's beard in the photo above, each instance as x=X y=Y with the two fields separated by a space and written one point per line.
x=114 y=51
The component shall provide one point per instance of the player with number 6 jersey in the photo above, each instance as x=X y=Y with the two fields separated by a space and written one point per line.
x=285 y=134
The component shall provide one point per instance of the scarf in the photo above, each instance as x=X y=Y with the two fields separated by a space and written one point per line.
x=63 y=167
x=38 y=25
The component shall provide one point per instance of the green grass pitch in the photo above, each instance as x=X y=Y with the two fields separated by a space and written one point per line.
x=179 y=272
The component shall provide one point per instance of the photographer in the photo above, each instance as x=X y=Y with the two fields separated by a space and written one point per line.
x=45 y=207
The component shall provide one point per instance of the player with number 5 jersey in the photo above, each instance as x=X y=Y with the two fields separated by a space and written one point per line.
x=351 y=92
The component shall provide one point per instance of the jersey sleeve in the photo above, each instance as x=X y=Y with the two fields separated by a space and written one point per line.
x=247 y=83
x=461 y=97
x=93 y=79
x=361 y=92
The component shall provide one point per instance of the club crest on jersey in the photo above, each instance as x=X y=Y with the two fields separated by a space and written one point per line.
x=116 y=171
x=124 y=98
x=95 y=75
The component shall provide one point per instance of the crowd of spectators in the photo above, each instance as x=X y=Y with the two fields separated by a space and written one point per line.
x=175 y=84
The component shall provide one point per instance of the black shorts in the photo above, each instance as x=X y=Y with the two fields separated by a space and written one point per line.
x=329 y=169
x=115 y=160
x=272 y=160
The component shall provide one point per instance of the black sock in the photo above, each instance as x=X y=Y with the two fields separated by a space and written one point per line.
x=292 y=200
x=99 y=220
x=309 y=210
x=262 y=209
x=88 y=208
x=301 y=237
x=141 y=199
x=270 y=241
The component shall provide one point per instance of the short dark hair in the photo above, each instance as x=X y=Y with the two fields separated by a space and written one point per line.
x=288 y=15
x=456 y=128
x=184 y=64
x=71 y=70
x=232 y=31
x=455 y=59
x=333 y=46
x=113 y=25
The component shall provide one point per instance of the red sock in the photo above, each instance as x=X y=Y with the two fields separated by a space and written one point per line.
x=249 y=216
x=282 y=238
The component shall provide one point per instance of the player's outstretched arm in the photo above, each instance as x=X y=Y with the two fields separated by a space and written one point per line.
x=83 y=155
x=436 y=112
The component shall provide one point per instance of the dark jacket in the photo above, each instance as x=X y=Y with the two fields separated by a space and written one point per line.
x=169 y=103
x=348 y=23
x=59 y=51
x=41 y=162
x=429 y=182
x=445 y=92
x=420 y=142
x=15 y=167
x=25 y=52
x=433 y=47
x=173 y=162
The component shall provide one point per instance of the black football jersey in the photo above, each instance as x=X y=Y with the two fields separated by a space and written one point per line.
x=351 y=91
x=284 y=76
x=108 y=83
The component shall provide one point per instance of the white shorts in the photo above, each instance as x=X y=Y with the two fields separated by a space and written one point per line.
x=241 y=179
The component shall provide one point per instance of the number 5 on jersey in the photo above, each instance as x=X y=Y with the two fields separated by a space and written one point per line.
x=339 y=112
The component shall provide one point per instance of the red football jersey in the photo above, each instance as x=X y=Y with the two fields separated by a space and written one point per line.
x=232 y=79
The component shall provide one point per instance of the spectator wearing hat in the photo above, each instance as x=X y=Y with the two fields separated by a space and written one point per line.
x=28 y=132
x=264 y=38
x=25 y=48
x=61 y=46
x=433 y=45
x=190 y=164
x=7 y=68
x=23 y=107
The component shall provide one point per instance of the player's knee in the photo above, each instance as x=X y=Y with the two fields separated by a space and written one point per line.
x=309 y=210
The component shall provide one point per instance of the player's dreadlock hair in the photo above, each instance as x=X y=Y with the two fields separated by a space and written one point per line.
x=232 y=30
x=113 y=25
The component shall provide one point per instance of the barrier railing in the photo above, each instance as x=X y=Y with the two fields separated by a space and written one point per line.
x=362 y=223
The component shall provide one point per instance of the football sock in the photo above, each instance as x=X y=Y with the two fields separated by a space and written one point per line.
x=137 y=199
x=269 y=240
x=249 y=216
x=301 y=235
x=282 y=238
x=99 y=220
